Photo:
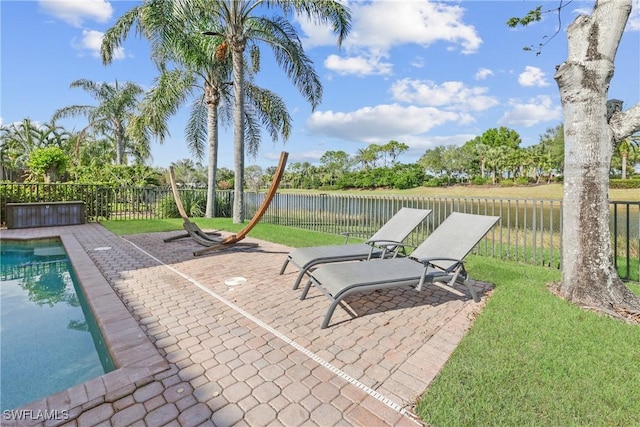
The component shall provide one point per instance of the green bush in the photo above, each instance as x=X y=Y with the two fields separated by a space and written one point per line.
x=479 y=180
x=507 y=183
x=522 y=180
x=624 y=183
x=195 y=204
x=407 y=176
x=434 y=182
x=47 y=163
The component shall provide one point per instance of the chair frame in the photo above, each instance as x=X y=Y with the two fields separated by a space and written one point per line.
x=431 y=271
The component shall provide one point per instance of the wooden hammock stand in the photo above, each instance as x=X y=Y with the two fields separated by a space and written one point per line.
x=206 y=239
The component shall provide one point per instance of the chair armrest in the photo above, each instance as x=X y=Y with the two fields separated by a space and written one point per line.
x=347 y=234
x=429 y=262
x=454 y=272
x=391 y=245
x=384 y=243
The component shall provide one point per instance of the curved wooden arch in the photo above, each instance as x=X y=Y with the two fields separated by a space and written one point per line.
x=235 y=238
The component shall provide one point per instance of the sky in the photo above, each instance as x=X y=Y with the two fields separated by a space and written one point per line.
x=420 y=72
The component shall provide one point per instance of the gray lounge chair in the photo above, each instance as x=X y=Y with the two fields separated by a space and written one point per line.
x=383 y=243
x=439 y=259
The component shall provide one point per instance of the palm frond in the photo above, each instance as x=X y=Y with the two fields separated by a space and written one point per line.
x=196 y=130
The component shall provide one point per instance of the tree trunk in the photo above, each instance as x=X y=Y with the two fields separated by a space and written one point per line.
x=588 y=274
x=238 y=131
x=120 y=142
x=624 y=165
x=212 y=134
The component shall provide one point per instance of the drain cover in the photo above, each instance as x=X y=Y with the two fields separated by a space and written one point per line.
x=235 y=281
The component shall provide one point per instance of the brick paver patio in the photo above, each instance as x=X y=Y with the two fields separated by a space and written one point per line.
x=193 y=351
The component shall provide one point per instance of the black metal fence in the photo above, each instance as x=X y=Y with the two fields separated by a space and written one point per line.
x=529 y=230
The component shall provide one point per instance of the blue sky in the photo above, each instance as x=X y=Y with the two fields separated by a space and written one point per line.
x=416 y=71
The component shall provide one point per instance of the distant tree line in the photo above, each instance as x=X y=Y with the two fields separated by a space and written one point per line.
x=34 y=152
x=495 y=157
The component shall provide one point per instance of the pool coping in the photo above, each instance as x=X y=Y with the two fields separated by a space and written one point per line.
x=136 y=358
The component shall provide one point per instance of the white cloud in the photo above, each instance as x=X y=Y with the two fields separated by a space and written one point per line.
x=532 y=112
x=358 y=65
x=74 y=12
x=427 y=142
x=378 y=26
x=532 y=76
x=483 y=73
x=312 y=156
x=418 y=62
x=91 y=41
x=451 y=94
x=380 y=123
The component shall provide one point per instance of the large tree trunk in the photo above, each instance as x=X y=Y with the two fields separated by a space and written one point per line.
x=212 y=134
x=238 y=132
x=588 y=274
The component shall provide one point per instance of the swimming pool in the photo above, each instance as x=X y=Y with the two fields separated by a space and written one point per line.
x=48 y=336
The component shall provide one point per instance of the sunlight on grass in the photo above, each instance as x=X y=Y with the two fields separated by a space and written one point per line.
x=543 y=191
x=274 y=233
x=533 y=359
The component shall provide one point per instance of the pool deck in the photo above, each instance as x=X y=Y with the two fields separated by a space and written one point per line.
x=192 y=351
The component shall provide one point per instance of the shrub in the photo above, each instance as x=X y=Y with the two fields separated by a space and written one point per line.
x=624 y=183
x=407 y=176
x=433 y=182
x=507 y=183
x=479 y=180
x=194 y=202
x=48 y=162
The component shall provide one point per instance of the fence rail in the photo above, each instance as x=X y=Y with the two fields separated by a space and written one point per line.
x=529 y=230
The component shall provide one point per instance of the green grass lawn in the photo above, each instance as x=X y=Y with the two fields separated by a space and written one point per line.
x=273 y=233
x=533 y=359
x=530 y=358
x=542 y=191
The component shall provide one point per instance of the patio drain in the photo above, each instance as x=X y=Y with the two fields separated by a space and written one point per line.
x=235 y=281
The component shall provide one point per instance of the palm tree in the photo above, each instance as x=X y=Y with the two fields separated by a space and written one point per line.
x=239 y=27
x=18 y=140
x=625 y=148
x=202 y=64
x=114 y=117
x=368 y=156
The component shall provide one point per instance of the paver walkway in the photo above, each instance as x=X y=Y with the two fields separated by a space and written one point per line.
x=254 y=354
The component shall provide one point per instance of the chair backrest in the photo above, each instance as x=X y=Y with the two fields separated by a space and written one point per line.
x=455 y=237
x=401 y=224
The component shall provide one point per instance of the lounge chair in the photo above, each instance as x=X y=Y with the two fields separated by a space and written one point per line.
x=438 y=260
x=382 y=244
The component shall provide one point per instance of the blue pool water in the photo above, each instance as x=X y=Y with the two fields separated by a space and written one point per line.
x=48 y=338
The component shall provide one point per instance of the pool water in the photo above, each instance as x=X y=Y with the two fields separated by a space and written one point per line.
x=49 y=340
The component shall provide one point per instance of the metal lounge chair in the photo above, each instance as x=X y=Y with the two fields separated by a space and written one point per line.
x=384 y=242
x=438 y=260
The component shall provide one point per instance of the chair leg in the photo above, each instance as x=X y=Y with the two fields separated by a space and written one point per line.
x=284 y=266
x=327 y=317
x=299 y=279
x=472 y=290
x=305 y=291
